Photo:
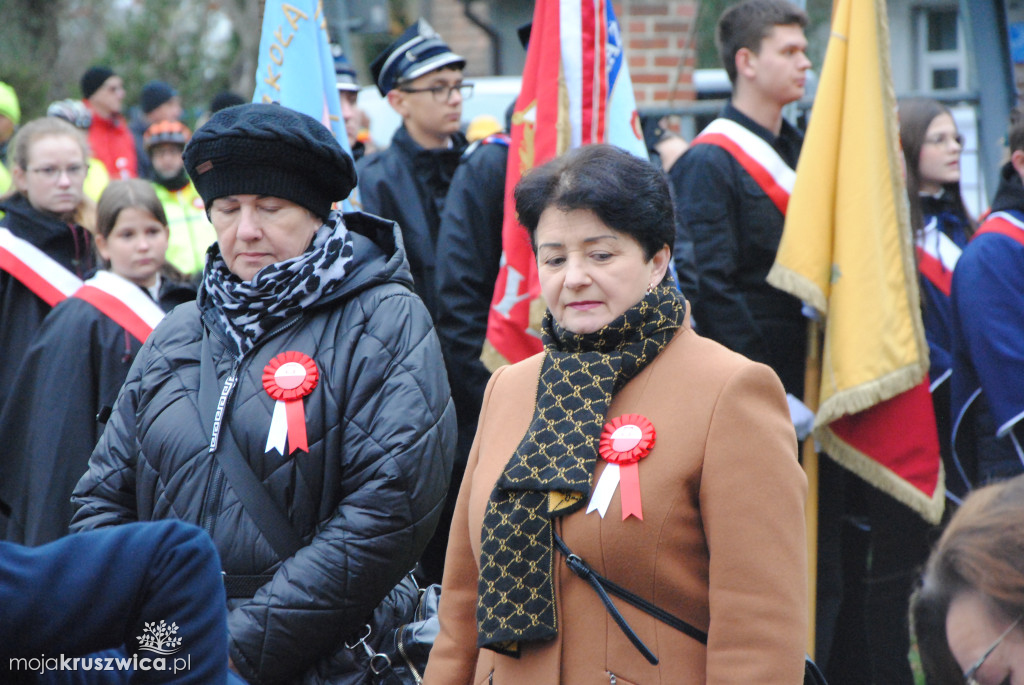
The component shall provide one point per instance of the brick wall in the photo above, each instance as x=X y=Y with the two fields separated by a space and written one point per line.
x=463 y=36
x=658 y=35
x=659 y=45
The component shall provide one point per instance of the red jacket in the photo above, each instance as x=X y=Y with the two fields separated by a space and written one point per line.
x=112 y=143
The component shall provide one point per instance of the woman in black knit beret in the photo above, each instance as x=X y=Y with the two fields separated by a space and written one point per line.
x=299 y=411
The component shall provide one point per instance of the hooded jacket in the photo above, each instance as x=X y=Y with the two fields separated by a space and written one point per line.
x=365 y=498
x=113 y=144
x=21 y=311
x=190 y=228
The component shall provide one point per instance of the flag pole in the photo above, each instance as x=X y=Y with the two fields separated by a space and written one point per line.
x=809 y=457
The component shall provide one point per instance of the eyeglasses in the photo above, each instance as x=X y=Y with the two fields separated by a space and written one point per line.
x=52 y=173
x=443 y=93
x=970 y=672
x=945 y=139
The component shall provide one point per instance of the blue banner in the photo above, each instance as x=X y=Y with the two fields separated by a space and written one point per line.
x=296 y=68
x=623 y=122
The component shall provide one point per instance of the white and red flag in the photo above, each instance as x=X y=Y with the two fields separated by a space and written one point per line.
x=576 y=91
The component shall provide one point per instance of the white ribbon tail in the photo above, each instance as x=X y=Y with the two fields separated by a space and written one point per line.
x=278 y=428
x=606 y=485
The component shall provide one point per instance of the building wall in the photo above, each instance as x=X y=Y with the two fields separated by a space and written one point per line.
x=659 y=40
x=465 y=38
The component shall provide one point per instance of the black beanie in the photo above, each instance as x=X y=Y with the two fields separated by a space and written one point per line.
x=154 y=94
x=267 y=149
x=93 y=78
x=223 y=99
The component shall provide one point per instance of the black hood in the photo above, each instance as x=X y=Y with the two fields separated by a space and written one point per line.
x=67 y=243
x=1010 y=194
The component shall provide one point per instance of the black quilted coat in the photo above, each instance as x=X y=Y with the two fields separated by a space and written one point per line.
x=365 y=499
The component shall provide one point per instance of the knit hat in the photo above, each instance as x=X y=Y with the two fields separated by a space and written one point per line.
x=154 y=94
x=224 y=99
x=268 y=149
x=93 y=78
x=9 y=106
x=418 y=51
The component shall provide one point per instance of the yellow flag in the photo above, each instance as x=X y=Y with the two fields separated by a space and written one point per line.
x=847 y=251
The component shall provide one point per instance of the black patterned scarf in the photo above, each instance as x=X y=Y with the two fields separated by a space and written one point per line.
x=551 y=470
x=248 y=309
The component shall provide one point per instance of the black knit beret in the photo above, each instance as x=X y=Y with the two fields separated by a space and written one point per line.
x=93 y=78
x=267 y=149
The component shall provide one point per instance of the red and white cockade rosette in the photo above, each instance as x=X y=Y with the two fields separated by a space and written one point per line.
x=625 y=440
x=288 y=378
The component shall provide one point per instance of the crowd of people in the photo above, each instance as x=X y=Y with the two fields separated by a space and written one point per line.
x=192 y=329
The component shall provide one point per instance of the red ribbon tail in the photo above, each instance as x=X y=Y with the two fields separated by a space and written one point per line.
x=629 y=487
x=296 y=425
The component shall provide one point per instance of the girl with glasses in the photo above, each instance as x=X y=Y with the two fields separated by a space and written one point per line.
x=83 y=351
x=932 y=146
x=43 y=220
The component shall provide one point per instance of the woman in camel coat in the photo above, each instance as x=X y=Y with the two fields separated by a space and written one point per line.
x=719 y=540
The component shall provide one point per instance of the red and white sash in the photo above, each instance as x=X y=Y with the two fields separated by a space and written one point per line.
x=1005 y=223
x=755 y=155
x=123 y=302
x=36 y=270
x=937 y=256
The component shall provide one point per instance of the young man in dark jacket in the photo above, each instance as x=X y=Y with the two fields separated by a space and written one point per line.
x=725 y=204
x=422 y=80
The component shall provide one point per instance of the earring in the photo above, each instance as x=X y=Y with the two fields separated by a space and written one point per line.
x=650 y=288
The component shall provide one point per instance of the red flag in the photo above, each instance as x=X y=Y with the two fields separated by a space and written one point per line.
x=576 y=90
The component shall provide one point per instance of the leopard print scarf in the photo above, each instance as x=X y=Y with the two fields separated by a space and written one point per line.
x=248 y=309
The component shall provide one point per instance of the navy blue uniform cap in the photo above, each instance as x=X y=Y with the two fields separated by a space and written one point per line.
x=419 y=50
x=345 y=75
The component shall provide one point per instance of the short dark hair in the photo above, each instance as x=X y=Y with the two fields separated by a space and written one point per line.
x=627 y=193
x=745 y=25
x=1016 y=136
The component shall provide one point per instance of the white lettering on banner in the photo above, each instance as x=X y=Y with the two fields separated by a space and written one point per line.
x=292 y=15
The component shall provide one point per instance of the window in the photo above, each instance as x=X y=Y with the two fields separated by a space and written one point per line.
x=942 y=62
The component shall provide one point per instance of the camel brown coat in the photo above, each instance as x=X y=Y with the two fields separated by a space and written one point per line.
x=721 y=543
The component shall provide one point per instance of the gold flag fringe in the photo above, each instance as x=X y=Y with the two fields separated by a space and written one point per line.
x=929 y=508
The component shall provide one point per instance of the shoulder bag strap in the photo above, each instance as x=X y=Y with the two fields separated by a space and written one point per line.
x=604 y=587
x=261 y=507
